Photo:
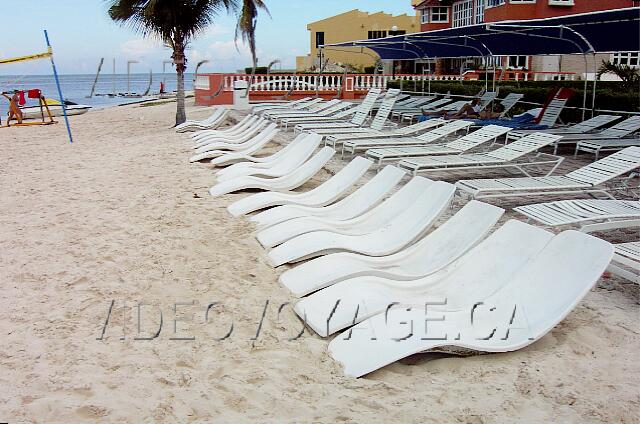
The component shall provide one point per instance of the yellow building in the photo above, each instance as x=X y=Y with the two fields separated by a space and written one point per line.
x=349 y=26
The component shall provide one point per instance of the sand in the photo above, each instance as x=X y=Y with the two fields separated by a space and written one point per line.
x=121 y=218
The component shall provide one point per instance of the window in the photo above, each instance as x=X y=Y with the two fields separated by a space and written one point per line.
x=561 y=2
x=424 y=16
x=626 y=58
x=319 y=39
x=522 y=1
x=518 y=62
x=493 y=3
x=479 y=18
x=439 y=15
x=463 y=13
x=398 y=32
x=376 y=34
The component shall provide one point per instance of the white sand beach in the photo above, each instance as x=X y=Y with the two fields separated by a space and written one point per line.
x=121 y=216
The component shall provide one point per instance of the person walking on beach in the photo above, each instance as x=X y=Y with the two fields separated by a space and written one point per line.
x=14 y=109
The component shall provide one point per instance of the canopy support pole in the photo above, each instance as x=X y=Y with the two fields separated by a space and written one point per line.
x=55 y=75
x=586 y=86
x=595 y=81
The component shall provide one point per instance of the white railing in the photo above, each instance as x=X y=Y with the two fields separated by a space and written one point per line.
x=281 y=82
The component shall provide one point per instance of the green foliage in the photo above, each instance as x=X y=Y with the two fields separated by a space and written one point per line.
x=369 y=69
x=609 y=95
x=629 y=76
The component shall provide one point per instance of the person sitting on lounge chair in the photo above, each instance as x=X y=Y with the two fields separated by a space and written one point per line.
x=493 y=113
x=470 y=110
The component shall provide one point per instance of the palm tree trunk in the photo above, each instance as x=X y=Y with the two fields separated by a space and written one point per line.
x=180 y=61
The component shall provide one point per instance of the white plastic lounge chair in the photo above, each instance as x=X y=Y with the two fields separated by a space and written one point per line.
x=230 y=130
x=253 y=161
x=218 y=116
x=626 y=261
x=586 y=180
x=409 y=130
x=598 y=146
x=516 y=310
x=461 y=145
x=358 y=119
x=230 y=157
x=430 y=254
x=377 y=124
x=360 y=224
x=278 y=166
x=241 y=137
x=355 y=204
x=323 y=194
x=504 y=157
x=361 y=297
x=294 y=179
x=446 y=130
x=403 y=230
x=579 y=128
x=590 y=214
x=214 y=150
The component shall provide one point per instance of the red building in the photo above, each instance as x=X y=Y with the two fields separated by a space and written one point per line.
x=440 y=14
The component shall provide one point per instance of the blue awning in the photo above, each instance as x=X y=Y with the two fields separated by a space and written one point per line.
x=596 y=32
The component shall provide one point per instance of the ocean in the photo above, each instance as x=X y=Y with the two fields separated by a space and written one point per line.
x=76 y=88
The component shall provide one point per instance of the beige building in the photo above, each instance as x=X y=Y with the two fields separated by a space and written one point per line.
x=348 y=26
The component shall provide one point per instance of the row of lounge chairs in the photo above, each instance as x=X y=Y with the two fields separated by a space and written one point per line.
x=370 y=258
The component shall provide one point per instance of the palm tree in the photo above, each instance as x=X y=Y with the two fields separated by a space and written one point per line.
x=629 y=76
x=176 y=23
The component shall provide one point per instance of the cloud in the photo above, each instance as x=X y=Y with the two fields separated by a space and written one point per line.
x=138 y=47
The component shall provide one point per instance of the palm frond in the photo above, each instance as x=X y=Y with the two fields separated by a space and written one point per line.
x=247 y=20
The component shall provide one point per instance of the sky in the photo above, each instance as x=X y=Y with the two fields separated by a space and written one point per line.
x=81 y=33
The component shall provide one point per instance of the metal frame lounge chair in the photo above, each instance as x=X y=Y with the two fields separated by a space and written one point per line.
x=428 y=255
x=355 y=204
x=590 y=214
x=517 y=307
x=509 y=102
x=618 y=131
x=291 y=104
x=399 y=110
x=443 y=131
x=598 y=146
x=310 y=105
x=276 y=165
x=357 y=120
x=404 y=229
x=323 y=194
x=589 y=179
x=409 y=115
x=292 y=180
x=461 y=145
x=313 y=109
x=363 y=223
x=504 y=157
x=336 y=117
x=626 y=261
x=409 y=130
x=579 y=128
x=377 y=124
x=252 y=145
